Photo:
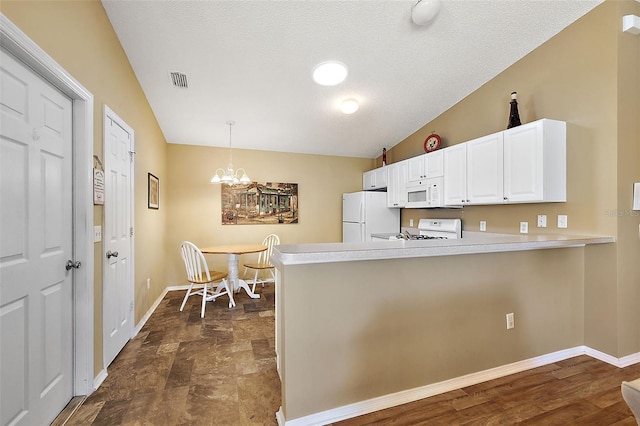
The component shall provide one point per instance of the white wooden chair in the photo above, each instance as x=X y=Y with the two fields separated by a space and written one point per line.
x=631 y=395
x=198 y=273
x=262 y=266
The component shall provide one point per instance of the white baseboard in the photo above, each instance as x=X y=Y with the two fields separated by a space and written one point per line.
x=625 y=361
x=403 y=397
x=280 y=417
x=151 y=310
x=153 y=307
x=97 y=381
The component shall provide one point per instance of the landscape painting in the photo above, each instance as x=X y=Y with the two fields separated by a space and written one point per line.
x=259 y=203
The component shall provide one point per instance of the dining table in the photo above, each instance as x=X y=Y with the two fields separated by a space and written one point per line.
x=233 y=252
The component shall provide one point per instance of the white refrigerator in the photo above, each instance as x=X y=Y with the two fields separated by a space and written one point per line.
x=365 y=213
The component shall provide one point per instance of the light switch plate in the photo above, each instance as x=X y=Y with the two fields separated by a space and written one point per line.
x=97 y=234
x=562 y=221
x=483 y=225
x=636 y=196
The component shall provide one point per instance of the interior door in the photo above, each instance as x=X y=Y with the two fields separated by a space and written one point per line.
x=118 y=269
x=36 y=299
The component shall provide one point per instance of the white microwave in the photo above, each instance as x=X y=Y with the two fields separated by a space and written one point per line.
x=426 y=193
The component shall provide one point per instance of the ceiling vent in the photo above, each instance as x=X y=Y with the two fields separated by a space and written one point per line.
x=179 y=80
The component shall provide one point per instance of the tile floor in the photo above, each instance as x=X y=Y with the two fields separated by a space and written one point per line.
x=184 y=370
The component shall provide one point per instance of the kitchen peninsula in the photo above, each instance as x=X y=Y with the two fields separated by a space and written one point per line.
x=361 y=327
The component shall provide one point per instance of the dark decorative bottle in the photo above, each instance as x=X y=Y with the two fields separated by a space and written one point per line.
x=384 y=156
x=514 y=117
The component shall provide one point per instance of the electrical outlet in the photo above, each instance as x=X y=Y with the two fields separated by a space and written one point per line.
x=410 y=222
x=562 y=221
x=510 y=321
x=542 y=221
x=524 y=227
x=483 y=225
x=148 y=283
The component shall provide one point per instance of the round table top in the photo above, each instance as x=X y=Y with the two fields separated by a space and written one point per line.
x=234 y=249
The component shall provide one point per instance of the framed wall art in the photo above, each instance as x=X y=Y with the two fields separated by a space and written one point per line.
x=259 y=203
x=154 y=192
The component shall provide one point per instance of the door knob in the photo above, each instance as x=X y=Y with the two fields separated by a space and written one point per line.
x=71 y=264
x=111 y=254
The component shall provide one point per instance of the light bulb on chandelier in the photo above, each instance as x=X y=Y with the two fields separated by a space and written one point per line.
x=229 y=176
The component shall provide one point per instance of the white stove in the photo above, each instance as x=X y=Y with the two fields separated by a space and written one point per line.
x=439 y=229
x=429 y=229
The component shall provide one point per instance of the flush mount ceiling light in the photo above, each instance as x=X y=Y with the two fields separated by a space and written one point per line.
x=425 y=11
x=349 y=106
x=330 y=73
x=229 y=176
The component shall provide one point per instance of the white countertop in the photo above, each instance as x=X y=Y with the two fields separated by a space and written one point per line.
x=471 y=243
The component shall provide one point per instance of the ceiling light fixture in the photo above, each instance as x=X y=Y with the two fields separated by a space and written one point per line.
x=229 y=176
x=330 y=73
x=349 y=106
x=425 y=11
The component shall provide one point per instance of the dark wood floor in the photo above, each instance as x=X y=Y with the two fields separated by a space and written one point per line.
x=220 y=370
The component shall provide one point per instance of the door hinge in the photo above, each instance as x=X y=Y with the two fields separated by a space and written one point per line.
x=131 y=306
x=131 y=232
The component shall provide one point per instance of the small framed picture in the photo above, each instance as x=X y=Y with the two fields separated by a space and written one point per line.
x=154 y=192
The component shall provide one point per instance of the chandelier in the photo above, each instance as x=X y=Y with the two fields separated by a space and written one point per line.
x=229 y=176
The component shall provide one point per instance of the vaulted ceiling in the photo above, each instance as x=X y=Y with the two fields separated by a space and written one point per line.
x=252 y=61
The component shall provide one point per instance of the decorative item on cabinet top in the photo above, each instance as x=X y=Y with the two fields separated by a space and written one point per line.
x=432 y=142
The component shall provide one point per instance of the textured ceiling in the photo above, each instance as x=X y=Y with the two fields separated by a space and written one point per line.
x=251 y=62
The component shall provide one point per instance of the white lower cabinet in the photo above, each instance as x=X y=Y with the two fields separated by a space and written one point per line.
x=396 y=184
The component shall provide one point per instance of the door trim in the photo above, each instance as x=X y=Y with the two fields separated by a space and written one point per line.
x=17 y=42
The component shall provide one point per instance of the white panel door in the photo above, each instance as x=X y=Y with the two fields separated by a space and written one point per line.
x=118 y=280
x=36 y=300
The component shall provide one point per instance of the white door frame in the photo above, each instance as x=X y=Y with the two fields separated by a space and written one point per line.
x=109 y=114
x=17 y=42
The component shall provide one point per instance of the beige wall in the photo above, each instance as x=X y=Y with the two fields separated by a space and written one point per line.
x=79 y=36
x=587 y=75
x=195 y=215
x=379 y=327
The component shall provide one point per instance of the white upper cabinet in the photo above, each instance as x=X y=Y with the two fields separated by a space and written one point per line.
x=455 y=175
x=484 y=170
x=524 y=164
x=396 y=189
x=425 y=166
x=535 y=162
x=473 y=172
x=374 y=179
